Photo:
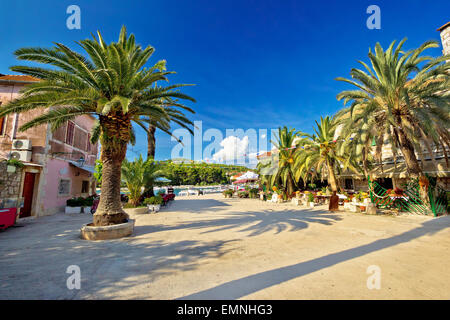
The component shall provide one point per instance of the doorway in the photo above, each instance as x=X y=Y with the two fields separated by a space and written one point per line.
x=27 y=194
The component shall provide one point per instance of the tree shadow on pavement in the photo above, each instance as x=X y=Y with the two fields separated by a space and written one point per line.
x=252 y=223
x=247 y=285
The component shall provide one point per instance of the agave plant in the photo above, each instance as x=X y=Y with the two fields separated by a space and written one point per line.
x=402 y=98
x=317 y=155
x=110 y=83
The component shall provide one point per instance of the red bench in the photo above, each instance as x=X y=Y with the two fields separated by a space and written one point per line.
x=7 y=217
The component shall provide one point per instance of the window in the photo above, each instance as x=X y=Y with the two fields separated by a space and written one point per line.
x=70 y=132
x=349 y=184
x=85 y=186
x=64 y=187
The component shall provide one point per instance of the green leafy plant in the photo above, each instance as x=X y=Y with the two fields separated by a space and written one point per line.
x=153 y=200
x=243 y=194
x=75 y=202
x=312 y=186
x=15 y=162
x=228 y=193
x=253 y=193
x=310 y=197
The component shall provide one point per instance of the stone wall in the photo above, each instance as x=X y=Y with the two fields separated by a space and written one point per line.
x=445 y=39
x=9 y=182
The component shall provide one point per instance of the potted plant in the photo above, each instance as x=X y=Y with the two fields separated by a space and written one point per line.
x=228 y=193
x=135 y=208
x=154 y=203
x=74 y=205
x=310 y=200
x=13 y=164
x=87 y=204
x=243 y=194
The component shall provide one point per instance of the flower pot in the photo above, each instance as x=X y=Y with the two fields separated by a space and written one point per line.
x=86 y=209
x=116 y=231
x=311 y=204
x=72 y=209
x=154 y=207
x=138 y=210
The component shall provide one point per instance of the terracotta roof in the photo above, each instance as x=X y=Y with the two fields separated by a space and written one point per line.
x=265 y=154
x=444 y=26
x=18 y=78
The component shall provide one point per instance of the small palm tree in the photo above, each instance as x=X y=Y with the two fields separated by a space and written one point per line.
x=402 y=97
x=317 y=155
x=138 y=175
x=283 y=174
x=111 y=84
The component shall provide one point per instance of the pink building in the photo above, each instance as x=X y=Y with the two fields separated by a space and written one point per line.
x=57 y=165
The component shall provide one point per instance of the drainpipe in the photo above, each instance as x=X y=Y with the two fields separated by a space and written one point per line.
x=15 y=117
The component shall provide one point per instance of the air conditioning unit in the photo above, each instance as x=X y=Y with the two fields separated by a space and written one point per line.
x=22 y=155
x=21 y=144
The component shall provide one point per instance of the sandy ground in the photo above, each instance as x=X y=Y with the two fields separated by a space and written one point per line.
x=209 y=247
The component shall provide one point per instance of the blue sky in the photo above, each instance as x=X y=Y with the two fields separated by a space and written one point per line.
x=256 y=64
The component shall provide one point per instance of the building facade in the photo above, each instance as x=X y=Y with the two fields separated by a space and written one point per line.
x=393 y=172
x=55 y=166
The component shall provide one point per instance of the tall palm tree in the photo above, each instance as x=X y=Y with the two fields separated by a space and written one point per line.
x=317 y=155
x=172 y=108
x=164 y=124
x=283 y=174
x=402 y=97
x=112 y=84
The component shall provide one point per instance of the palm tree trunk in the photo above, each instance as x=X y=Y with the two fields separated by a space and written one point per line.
x=331 y=176
x=290 y=185
x=151 y=142
x=412 y=164
x=365 y=163
x=114 y=142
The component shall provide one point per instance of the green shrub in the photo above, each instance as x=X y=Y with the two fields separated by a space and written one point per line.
x=75 y=202
x=228 y=192
x=310 y=197
x=242 y=194
x=253 y=193
x=15 y=162
x=312 y=186
x=153 y=200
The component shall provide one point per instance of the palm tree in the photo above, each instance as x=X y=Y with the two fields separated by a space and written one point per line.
x=317 y=155
x=174 y=115
x=284 y=172
x=112 y=84
x=403 y=98
x=137 y=175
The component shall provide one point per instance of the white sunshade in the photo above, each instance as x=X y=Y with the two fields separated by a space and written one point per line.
x=248 y=176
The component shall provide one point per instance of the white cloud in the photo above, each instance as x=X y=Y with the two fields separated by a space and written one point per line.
x=233 y=149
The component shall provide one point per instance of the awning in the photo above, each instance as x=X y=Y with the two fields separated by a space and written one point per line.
x=89 y=169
